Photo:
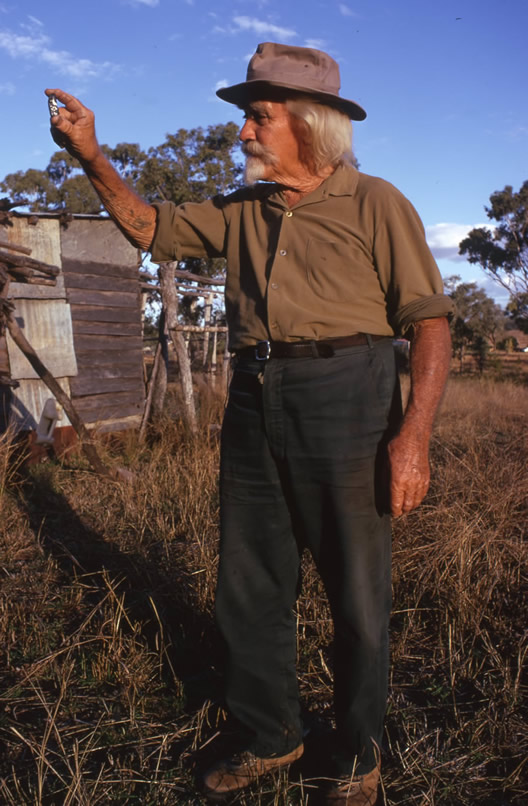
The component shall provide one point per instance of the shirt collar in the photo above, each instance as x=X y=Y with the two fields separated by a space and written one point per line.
x=342 y=182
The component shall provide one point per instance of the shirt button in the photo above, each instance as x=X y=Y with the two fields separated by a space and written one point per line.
x=289 y=214
x=274 y=286
x=283 y=252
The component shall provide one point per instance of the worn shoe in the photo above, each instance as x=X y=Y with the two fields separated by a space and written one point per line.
x=232 y=774
x=358 y=790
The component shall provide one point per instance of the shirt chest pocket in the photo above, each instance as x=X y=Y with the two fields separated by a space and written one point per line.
x=330 y=270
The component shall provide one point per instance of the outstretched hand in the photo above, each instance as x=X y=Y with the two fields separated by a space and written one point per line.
x=74 y=127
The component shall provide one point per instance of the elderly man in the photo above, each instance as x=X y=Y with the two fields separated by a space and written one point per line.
x=324 y=266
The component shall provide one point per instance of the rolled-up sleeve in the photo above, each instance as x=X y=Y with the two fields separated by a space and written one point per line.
x=188 y=230
x=407 y=271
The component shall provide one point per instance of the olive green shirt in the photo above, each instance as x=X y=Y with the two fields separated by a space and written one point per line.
x=350 y=257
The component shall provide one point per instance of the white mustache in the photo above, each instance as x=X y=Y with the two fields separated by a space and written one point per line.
x=254 y=149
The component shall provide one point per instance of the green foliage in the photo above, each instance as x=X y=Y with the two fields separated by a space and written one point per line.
x=503 y=252
x=477 y=319
x=32 y=188
x=518 y=310
x=191 y=166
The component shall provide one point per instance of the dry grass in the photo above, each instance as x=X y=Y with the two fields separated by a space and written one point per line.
x=111 y=667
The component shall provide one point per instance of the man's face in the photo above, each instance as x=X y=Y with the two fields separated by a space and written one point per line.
x=269 y=143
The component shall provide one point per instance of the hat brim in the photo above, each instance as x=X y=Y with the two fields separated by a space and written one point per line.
x=247 y=91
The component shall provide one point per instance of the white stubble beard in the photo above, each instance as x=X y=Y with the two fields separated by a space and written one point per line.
x=258 y=157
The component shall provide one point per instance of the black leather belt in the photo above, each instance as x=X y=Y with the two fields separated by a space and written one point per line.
x=325 y=348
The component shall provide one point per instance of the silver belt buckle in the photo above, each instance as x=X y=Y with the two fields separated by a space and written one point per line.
x=262 y=350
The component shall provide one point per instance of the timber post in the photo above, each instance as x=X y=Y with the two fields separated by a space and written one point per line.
x=169 y=298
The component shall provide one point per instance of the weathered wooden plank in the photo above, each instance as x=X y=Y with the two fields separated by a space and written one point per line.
x=91 y=342
x=98 y=313
x=117 y=424
x=101 y=386
x=117 y=404
x=109 y=328
x=96 y=283
x=47 y=326
x=74 y=268
x=116 y=370
x=121 y=299
x=100 y=358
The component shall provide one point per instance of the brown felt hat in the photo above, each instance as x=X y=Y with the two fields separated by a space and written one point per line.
x=305 y=70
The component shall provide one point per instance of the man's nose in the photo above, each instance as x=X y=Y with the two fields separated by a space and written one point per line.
x=247 y=132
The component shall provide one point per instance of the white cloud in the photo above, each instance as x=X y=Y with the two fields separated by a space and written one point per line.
x=7 y=89
x=444 y=238
x=518 y=133
x=317 y=44
x=213 y=98
x=37 y=46
x=261 y=27
x=35 y=21
x=150 y=3
x=346 y=11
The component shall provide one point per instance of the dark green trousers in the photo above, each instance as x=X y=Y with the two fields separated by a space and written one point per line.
x=299 y=469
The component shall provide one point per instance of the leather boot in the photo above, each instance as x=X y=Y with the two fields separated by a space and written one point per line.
x=357 y=790
x=237 y=772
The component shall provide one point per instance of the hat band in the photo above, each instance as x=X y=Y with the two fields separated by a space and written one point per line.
x=293 y=79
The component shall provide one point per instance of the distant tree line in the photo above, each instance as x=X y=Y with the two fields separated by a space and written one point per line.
x=502 y=252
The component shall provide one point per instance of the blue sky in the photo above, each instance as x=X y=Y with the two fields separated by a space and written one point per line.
x=444 y=85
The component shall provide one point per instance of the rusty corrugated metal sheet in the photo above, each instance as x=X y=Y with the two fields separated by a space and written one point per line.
x=29 y=400
x=47 y=326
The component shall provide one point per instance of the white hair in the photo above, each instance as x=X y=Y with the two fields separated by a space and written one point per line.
x=327 y=132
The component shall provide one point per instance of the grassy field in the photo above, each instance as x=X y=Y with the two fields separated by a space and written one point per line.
x=111 y=671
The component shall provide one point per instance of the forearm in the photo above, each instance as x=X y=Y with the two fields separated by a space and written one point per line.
x=408 y=451
x=134 y=217
x=429 y=367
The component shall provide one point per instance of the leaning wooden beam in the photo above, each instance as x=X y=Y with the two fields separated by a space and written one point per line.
x=29 y=262
x=16 y=247
x=148 y=402
x=200 y=292
x=199 y=278
x=31 y=275
x=199 y=329
x=60 y=395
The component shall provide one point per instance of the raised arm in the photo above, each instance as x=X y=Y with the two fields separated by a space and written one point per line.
x=74 y=129
x=408 y=451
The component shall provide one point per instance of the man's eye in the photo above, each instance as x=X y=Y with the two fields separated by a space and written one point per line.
x=256 y=116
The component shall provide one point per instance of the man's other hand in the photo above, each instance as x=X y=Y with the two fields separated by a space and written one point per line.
x=409 y=473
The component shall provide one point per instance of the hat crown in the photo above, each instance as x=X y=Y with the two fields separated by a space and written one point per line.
x=287 y=69
x=296 y=66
